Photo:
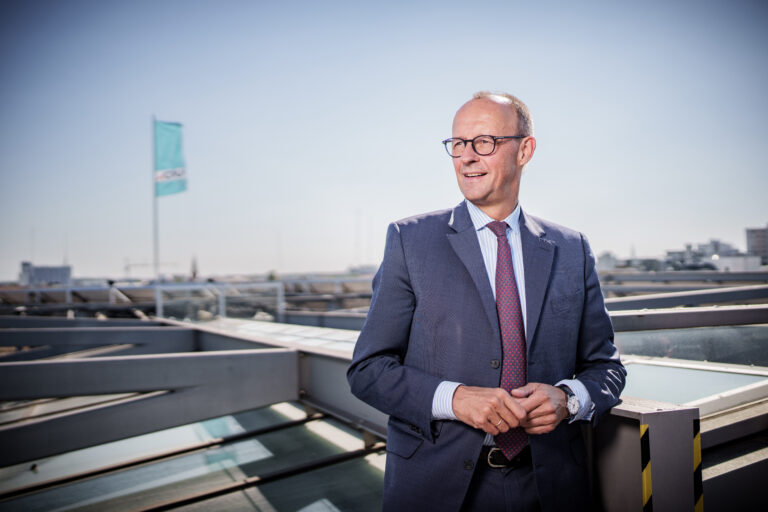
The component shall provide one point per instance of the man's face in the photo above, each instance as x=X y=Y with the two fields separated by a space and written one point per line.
x=491 y=182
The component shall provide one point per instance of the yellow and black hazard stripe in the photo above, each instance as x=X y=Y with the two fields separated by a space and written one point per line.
x=645 y=464
x=698 y=486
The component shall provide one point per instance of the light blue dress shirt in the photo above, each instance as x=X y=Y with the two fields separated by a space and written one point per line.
x=442 y=402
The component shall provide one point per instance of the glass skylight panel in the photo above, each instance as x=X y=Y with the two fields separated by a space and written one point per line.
x=740 y=344
x=32 y=409
x=203 y=470
x=297 y=336
x=679 y=385
x=355 y=485
x=128 y=449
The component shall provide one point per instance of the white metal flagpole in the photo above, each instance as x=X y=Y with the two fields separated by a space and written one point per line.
x=155 y=235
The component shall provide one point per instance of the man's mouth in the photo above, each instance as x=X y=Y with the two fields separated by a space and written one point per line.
x=474 y=174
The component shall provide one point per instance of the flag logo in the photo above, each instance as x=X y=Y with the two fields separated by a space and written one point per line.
x=170 y=169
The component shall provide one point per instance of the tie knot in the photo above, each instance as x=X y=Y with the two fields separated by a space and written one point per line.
x=498 y=227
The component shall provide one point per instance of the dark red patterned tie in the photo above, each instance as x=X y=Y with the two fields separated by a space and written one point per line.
x=512 y=334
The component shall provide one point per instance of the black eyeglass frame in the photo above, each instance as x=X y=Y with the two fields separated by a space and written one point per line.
x=447 y=142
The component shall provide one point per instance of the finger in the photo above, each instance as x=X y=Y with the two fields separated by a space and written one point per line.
x=545 y=408
x=495 y=409
x=541 y=412
x=540 y=421
x=524 y=391
x=513 y=412
x=533 y=402
x=501 y=405
x=490 y=416
x=495 y=427
x=542 y=424
x=539 y=430
x=508 y=419
x=488 y=425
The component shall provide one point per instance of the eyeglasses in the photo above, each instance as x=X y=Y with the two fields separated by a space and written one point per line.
x=483 y=145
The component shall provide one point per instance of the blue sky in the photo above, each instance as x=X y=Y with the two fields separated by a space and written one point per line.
x=308 y=127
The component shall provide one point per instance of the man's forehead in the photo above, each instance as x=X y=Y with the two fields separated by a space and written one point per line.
x=486 y=111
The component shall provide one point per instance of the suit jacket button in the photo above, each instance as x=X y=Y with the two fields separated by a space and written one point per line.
x=468 y=464
x=416 y=429
x=495 y=363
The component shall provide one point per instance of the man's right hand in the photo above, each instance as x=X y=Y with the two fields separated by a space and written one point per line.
x=483 y=408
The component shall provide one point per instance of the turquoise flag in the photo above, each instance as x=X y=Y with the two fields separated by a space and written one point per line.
x=170 y=172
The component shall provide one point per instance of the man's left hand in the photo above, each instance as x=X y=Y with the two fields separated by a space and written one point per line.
x=545 y=404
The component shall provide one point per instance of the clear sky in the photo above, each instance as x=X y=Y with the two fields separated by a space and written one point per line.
x=308 y=126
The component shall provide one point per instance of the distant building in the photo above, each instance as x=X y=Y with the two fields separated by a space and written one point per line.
x=757 y=243
x=738 y=263
x=716 y=247
x=705 y=257
x=32 y=275
x=713 y=255
x=678 y=259
x=690 y=258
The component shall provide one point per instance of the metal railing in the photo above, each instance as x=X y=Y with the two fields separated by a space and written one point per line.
x=223 y=293
x=213 y=297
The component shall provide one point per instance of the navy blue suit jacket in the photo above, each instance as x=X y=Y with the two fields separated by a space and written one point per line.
x=433 y=318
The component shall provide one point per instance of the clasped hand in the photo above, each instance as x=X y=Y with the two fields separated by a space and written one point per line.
x=536 y=407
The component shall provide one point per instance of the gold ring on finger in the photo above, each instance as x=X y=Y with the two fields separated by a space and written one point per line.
x=499 y=423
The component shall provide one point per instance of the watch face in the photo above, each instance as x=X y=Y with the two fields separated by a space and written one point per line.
x=573 y=405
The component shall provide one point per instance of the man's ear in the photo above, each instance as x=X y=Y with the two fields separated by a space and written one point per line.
x=525 y=151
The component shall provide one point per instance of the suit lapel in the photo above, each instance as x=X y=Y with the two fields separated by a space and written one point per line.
x=538 y=256
x=467 y=248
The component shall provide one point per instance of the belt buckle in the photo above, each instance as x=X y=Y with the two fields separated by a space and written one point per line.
x=492 y=464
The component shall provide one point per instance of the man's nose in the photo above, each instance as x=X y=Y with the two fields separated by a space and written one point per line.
x=469 y=155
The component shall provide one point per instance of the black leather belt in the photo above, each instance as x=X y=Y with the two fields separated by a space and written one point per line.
x=495 y=459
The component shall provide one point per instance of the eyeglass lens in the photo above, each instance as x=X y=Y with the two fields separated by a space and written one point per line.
x=483 y=145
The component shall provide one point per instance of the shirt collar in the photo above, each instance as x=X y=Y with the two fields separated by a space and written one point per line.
x=480 y=218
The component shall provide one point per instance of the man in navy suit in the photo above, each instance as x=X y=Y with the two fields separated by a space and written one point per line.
x=430 y=354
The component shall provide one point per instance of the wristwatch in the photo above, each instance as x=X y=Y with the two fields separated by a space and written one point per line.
x=573 y=401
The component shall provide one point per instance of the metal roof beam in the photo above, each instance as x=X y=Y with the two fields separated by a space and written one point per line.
x=680 y=318
x=740 y=294
x=183 y=388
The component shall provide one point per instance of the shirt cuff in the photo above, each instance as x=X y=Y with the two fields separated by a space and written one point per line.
x=586 y=407
x=442 y=402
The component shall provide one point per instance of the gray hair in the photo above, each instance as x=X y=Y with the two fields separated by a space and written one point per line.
x=524 y=119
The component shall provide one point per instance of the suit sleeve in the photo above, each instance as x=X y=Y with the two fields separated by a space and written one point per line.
x=598 y=364
x=379 y=374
